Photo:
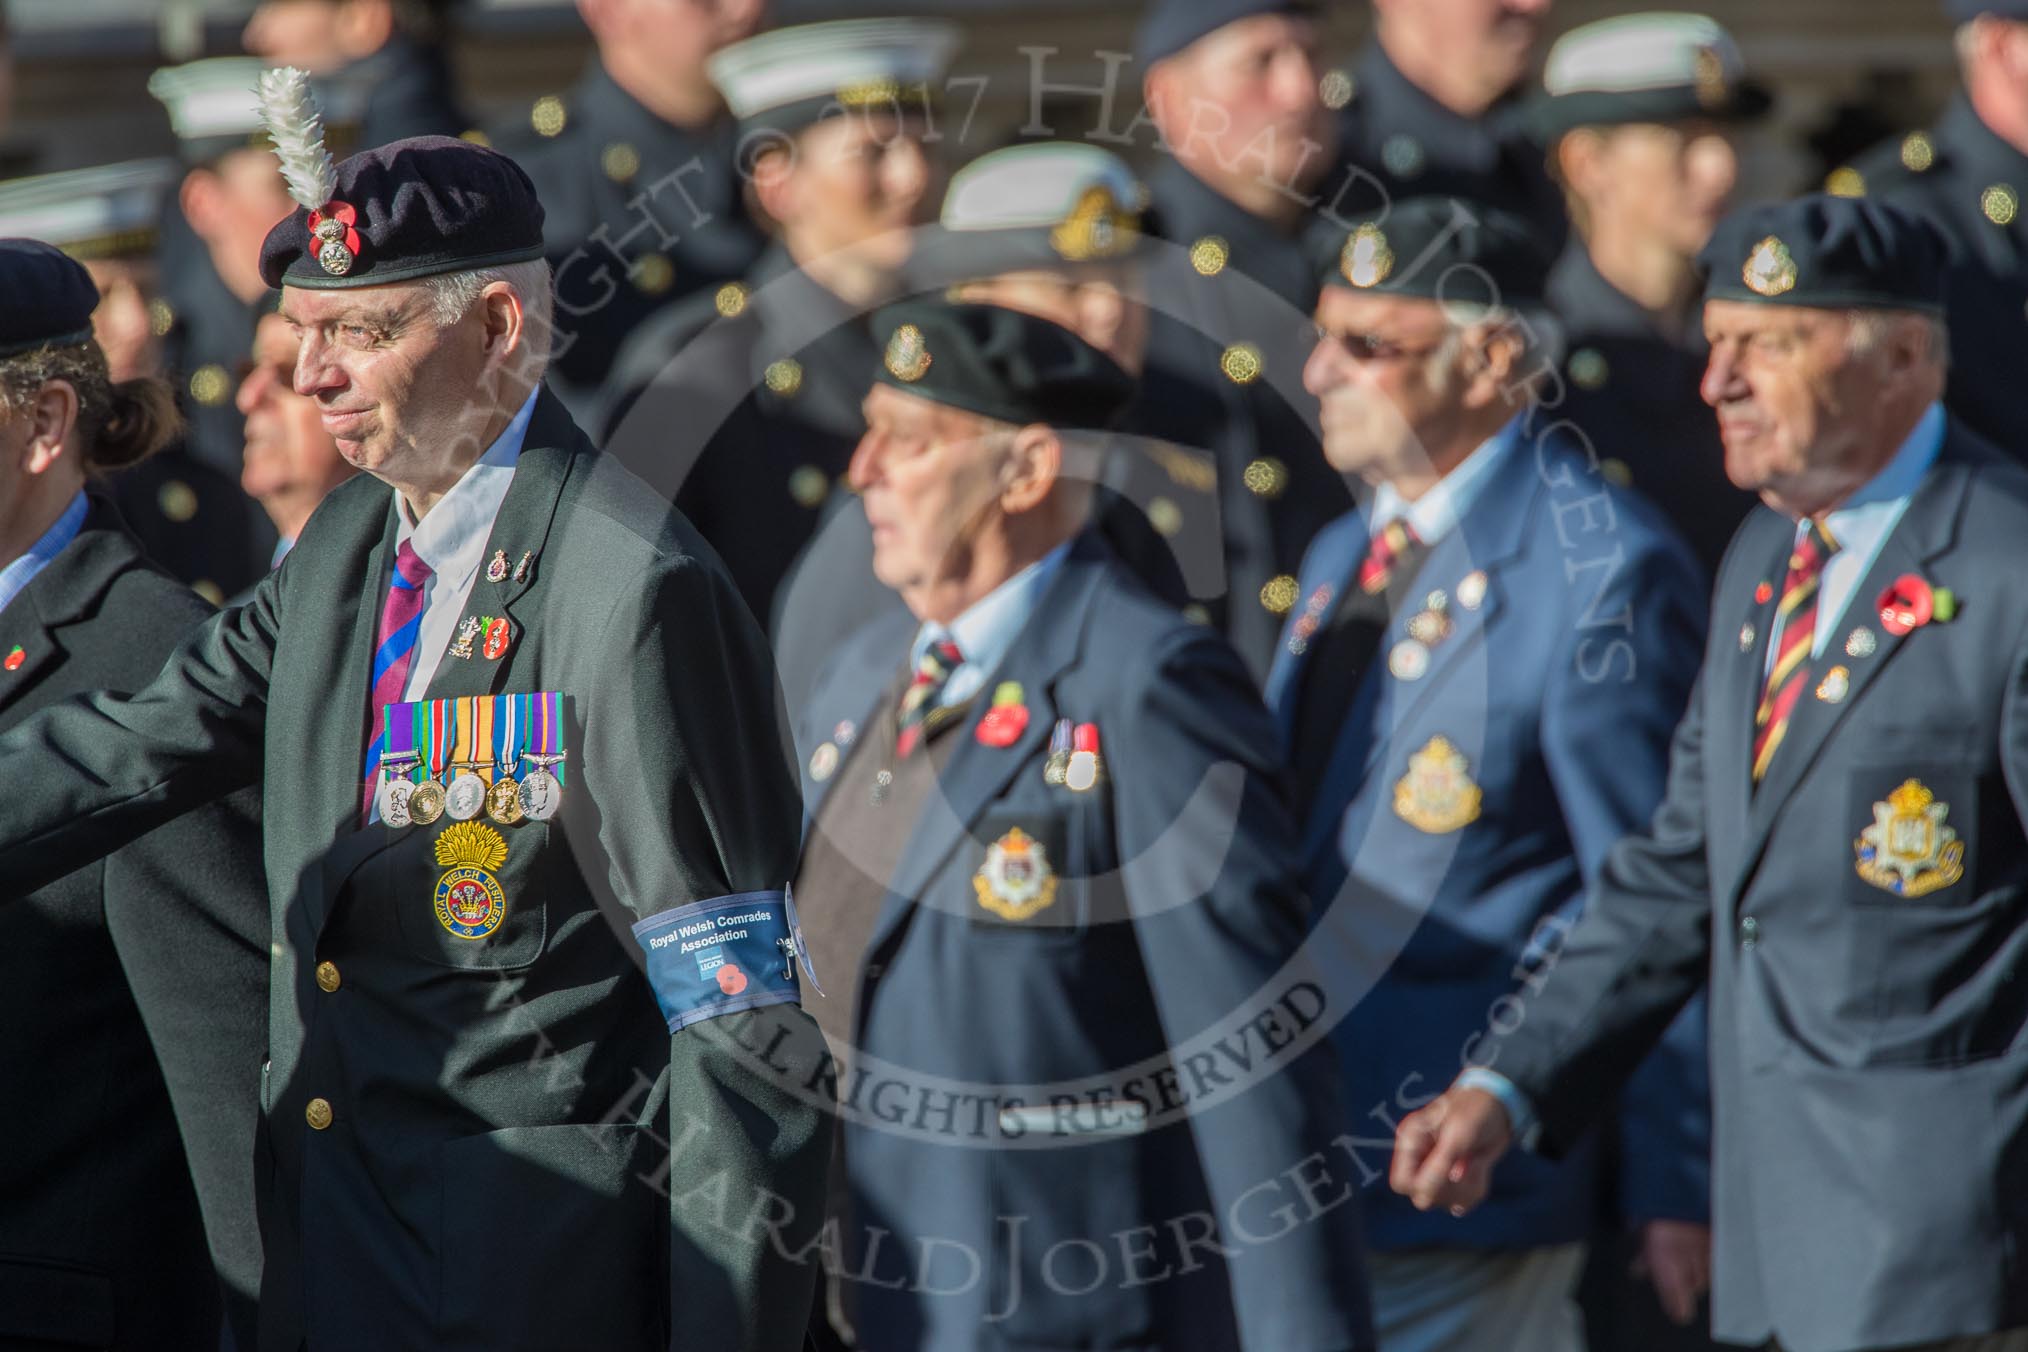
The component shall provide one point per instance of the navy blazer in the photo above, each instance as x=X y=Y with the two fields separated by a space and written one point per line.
x=1077 y=1029
x=1577 y=619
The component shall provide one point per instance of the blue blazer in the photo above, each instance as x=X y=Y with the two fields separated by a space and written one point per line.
x=1446 y=885
x=1078 y=1027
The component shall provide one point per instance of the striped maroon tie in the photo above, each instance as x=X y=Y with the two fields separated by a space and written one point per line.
x=1378 y=569
x=393 y=651
x=1790 y=674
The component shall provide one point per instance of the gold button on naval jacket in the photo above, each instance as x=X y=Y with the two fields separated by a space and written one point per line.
x=621 y=162
x=178 y=501
x=2000 y=203
x=327 y=976
x=209 y=384
x=548 y=115
x=1209 y=254
x=653 y=274
x=1279 y=594
x=317 y=1112
x=731 y=299
x=1265 y=477
x=784 y=377
x=1241 y=363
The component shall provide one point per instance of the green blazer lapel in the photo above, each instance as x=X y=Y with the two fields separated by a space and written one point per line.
x=553 y=448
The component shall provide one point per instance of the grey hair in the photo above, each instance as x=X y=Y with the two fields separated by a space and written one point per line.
x=1869 y=328
x=452 y=295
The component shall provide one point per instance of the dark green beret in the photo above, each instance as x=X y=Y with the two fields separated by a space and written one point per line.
x=1435 y=248
x=409 y=209
x=48 y=297
x=999 y=363
x=1827 y=252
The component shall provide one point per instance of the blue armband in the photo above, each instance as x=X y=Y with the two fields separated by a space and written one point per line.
x=720 y=956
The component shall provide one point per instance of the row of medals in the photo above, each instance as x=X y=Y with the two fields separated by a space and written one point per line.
x=536 y=796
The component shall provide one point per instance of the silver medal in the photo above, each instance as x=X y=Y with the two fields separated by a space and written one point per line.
x=541 y=795
x=393 y=801
x=465 y=797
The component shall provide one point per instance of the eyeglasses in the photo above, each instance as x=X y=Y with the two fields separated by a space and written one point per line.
x=1371 y=347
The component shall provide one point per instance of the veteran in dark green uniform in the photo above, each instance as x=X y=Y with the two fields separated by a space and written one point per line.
x=508 y=1104
x=1641 y=112
x=1967 y=174
x=134 y=984
x=637 y=166
x=744 y=404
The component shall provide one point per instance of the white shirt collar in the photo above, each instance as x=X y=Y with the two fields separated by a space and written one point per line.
x=988 y=628
x=452 y=538
x=1436 y=513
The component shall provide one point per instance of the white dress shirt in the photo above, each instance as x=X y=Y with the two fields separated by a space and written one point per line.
x=1436 y=513
x=987 y=630
x=451 y=539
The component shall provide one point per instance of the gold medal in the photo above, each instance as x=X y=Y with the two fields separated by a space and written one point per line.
x=503 y=802
x=426 y=804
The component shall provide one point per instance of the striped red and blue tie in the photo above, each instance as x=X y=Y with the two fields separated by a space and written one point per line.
x=393 y=651
x=1790 y=674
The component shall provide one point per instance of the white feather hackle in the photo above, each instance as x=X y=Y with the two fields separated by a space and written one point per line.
x=294 y=124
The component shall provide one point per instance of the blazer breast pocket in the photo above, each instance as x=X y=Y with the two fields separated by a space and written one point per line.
x=465 y=894
x=1026 y=884
x=1915 y=834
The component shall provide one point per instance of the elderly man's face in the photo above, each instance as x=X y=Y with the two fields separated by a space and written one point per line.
x=1386 y=387
x=929 y=476
x=290 y=462
x=1793 y=402
x=400 y=396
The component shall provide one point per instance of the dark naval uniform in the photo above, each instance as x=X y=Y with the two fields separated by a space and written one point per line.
x=1401 y=143
x=1630 y=387
x=640 y=215
x=501 y=1057
x=1230 y=307
x=402 y=90
x=1964 y=178
x=133 y=985
x=742 y=405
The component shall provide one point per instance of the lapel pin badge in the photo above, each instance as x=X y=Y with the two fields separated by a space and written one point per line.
x=521 y=569
x=1085 y=769
x=15 y=657
x=496 y=571
x=498 y=634
x=1004 y=723
x=1058 y=764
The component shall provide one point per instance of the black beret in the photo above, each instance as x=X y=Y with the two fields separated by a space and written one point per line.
x=1828 y=252
x=999 y=363
x=1436 y=248
x=49 y=297
x=1964 y=11
x=416 y=208
x=1171 y=25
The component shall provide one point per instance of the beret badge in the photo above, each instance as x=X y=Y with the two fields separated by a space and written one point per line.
x=1097 y=227
x=1366 y=260
x=908 y=357
x=337 y=241
x=1770 y=269
x=297 y=128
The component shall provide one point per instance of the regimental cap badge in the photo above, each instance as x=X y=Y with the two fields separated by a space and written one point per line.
x=1908 y=850
x=1770 y=269
x=908 y=356
x=1098 y=226
x=295 y=125
x=1366 y=260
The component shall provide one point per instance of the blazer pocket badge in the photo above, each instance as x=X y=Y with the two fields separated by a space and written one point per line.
x=1908 y=850
x=470 y=903
x=1437 y=795
x=1016 y=881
